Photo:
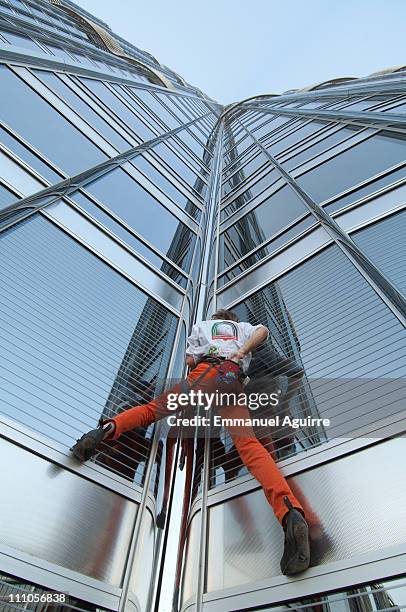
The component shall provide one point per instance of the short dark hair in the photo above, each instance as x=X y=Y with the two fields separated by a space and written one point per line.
x=225 y=315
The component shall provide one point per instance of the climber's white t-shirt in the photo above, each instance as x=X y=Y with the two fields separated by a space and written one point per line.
x=222 y=338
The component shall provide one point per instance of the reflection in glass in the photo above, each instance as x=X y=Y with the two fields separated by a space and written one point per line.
x=280 y=209
x=385 y=595
x=66 y=326
x=84 y=110
x=7 y=197
x=384 y=244
x=341 y=350
x=122 y=112
x=126 y=236
x=365 y=190
x=134 y=205
x=354 y=165
x=50 y=133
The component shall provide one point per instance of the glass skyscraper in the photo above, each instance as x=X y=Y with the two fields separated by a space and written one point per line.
x=131 y=205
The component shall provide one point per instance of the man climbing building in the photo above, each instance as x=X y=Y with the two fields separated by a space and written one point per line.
x=219 y=352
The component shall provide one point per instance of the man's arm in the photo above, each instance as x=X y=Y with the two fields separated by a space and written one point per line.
x=190 y=361
x=192 y=346
x=257 y=338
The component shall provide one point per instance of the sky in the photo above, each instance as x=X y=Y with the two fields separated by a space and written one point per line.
x=233 y=49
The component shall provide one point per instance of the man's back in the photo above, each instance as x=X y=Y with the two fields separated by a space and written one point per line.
x=220 y=338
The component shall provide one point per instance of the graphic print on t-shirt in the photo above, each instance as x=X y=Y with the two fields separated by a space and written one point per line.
x=224 y=330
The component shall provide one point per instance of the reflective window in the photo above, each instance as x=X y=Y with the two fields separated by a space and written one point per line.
x=245 y=172
x=129 y=201
x=280 y=209
x=384 y=244
x=229 y=255
x=171 y=102
x=175 y=163
x=119 y=109
x=384 y=595
x=6 y=9
x=269 y=126
x=295 y=137
x=354 y=165
x=319 y=147
x=240 y=146
x=197 y=131
x=21 y=41
x=61 y=53
x=191 y=142
x=327 y=320
x=186 y=154
x=253 y=119
x=253 y=190
x=371 y=187
x=293 y=124
x=166 y=186
x=240 y=161
x=30 y=158
x=126 y=236
x=184 y=111
x=7 y=197
x=67 y=95
x=152 y=103
x=78 y=341
x=50 y=133
x=401 y=108
x=123 y=91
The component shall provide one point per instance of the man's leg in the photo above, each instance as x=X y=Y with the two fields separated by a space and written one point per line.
x=260 y=462
x=139 y=416
x=286 y=506
x=111 y=429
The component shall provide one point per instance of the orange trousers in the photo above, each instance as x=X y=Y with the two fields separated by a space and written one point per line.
x=257 y=459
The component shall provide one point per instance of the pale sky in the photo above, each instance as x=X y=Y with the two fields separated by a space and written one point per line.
x=233 y=49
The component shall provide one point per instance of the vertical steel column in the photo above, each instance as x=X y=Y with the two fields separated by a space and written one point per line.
x=154 y=597
x=213 y=206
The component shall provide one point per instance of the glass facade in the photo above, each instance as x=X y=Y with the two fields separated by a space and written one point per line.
x=132 y=204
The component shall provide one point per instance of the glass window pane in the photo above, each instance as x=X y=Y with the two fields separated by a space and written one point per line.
x=245 y=172
x=230 y=255
x=192 y=143
x=122 y=90
x=50 y=133
x=269 y=126
x=270 y=217
x=121 y=110
x=7 y=197
x=127 y=199
x=329 y=320
x=384 y=244
x=73 y=334
x=354 y=165
x=59 y=52
x=176 y=164
x=30 y=158
x=125 y=235
x=371 y=187
x=254 y=190
x=319 y=147
x=295 y=136
x=21 y=41
x=55 y=84
x=167 y=187
x=155 y=106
